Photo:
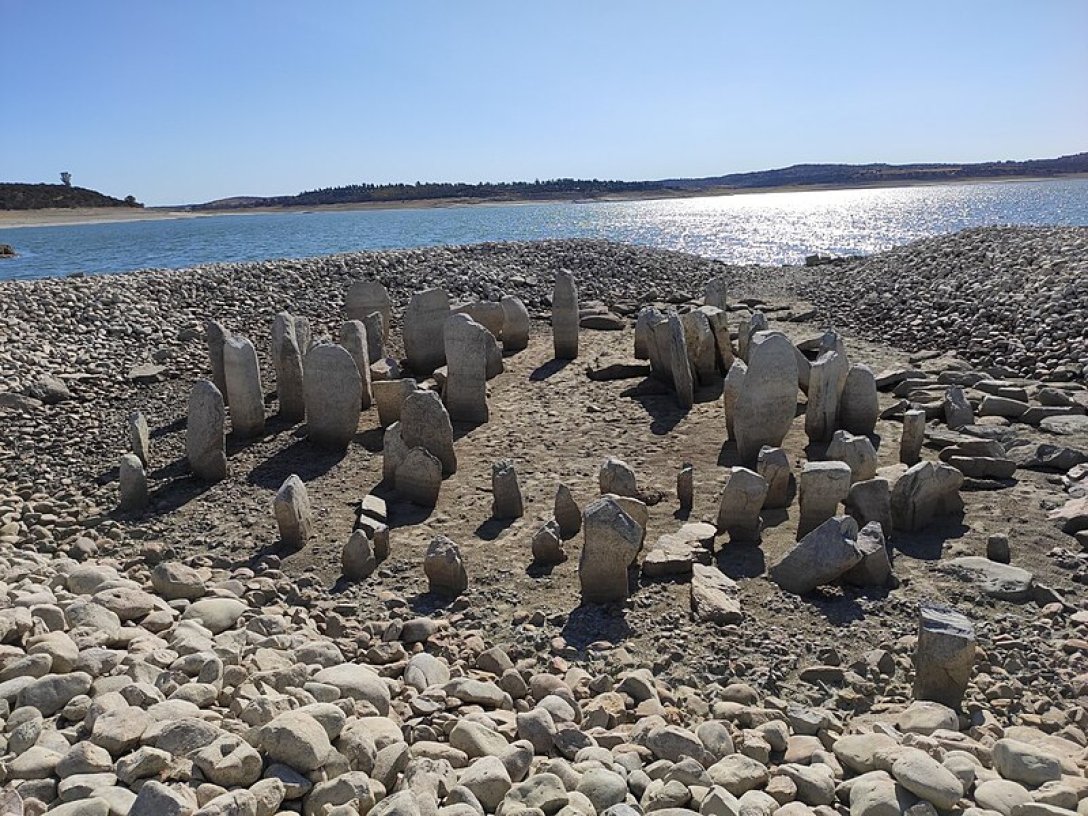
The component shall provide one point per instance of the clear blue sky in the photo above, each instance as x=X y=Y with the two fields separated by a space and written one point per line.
x=191 y=100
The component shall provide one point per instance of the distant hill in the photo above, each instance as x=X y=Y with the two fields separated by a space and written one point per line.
x=798 y=175
x=15 y=196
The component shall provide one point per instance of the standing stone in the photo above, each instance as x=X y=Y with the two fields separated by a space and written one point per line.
x=287 y=362
x=612 y=541
x=334 y=392
x=376 y=332
x=515 y=325
x=393 y=452
x=424 y=325
x=914 y=434
x=827 y=379
x=139 y=437
x=857 y=451
x=205 y=444
x=506 y=501
x=822 y=486
x=565 y=316
x=444 y=568
x=944 y=656
x=958 y=412
x=548 y=544
x=702 y=351
x=774 y=466
x=365 y=297
x=644 y=323
x=216 y=336
x=685 y=486
x=749 y=325
x=419 y=478
x=869 y=501
x=723 y=343
x=467 y=344
x=767 y=403
x=660 y=351
x=245 y=395
x=354 y=338
x=389 y=396
x=925 y=493
x=716 y=293
x=425 y=424
x=358 y=561
x=859 y=407
x=742 y=500
x=488 y=314
x=617 y=477
x=875 y=567
x=293 y=515
x=132 y=484
x=567 y=513
x=731 y=391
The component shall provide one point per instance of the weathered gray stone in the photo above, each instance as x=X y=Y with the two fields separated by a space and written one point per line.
x=714 y=596
x=1025 y=763
x=685 y=486
x=875 y=568
x=565 y=316
x=515 y=327
x=647 y=317
x=822 y=556
x=567 y=512
x=287 y=362
x=857 y=452
x=358 y=559
x=773 y=464
x=749 y=325
x=389 y=396
x=700 y=345
x=334 y=393
x=506 y=501
x=723 y=344
x=741 y=502
x=914 y=435
x=444 y=568
x=376 y=334
x=548 y=544
x=132 y=484
x=716 y=293
x=732 y=387
x=355 y=338
x=617 y=477
x=366 y=297
x=682 y=381
x=765 y=408
x=827 y=379
x=293 y=515
x=139 y=436
x=1002 y=581
x=205 y=441
x=418 y=477
x=424 y=423
x=393 y=452
x=423 y=330
x=871 y=500
x=944 y=656
x=859 y=407
x=924 y=493
x=823 y=485
x=958 y=412
x=244 y=394
x=215 y=336
x=612 y=540
x=488 y=314
x=467 y=344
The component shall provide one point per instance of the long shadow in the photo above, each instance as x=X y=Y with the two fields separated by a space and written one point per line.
x=987 y=485
x=741 y=560
x=592 y=622
x=372 y=439
x=403 y=513
x=176 y=493
x=928 y=544
x=174 y=470
x=171 y=427
x=711 y=392
x=549 y=369
x=838 y=610
x=540 y=569
x=816 y=451
x=729 y=456
x=492 y=528
x=463 y=429
x=664 y=413
x=426 y=603
x=774 y=516
x=301 y=457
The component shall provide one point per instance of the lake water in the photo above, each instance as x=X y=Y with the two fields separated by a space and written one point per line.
x=772 y=228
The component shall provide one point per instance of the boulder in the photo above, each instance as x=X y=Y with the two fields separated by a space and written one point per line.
x=334 y=394
x=943 y=656
x=205 y=441
x=423 y=330
x=617 y=477
x=215 y=337
x=765 y=407
x=715 y=597
x=822 y=486
x=389 y=395
x=741 y=502
x=444 y=568
x=875 y=567
x=515 y=327
x=958 y=412
x=612 y=540
x=365 y=297
x=857 y=452
x=547 y=544
x=827 y=379
x=293 y=515
x=994 y=579
x=466 y=343
x=859 y=407
x=924 y=493
x=244 y=394
x=567 y=513
x=820 y=557
x=506 y=500
x=914 y=435
x=132 y=485
x=774 y=465
x=871 y=500
x=425 y=423
x=682 y=381
x=418 y=477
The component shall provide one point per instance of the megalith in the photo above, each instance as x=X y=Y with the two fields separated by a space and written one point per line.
x=741 y=502
x=466 y=344
x=823 y=485
x=205 y=444
x=914 y=435
x=682 y=382
x=215 y=335
x=612 y=540
x=334 y=394
x=732 y=387
x=139 y=436
x=294 y=518
x=565 y=316
x=389 y=396
x=354 y=338
x=515 y=326
x=246 y=397
x=944 y=656
x=702 y=349
x=506 y=500
x=774 y=465
x=375 y=334
x=827 y=379
x=132 y=484
x=365 y=297
x=716 y=292
x=925 y=493
x=424 y=423
x=424 y=325
x=765 y=408
x=444 y=567
x=856 y=451
x=859 y=407
x=287 y=362
x=567 y=513
x=617 y=477
x=418 y=477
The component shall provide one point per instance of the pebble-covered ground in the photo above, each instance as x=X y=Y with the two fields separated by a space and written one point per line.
x=177 y=661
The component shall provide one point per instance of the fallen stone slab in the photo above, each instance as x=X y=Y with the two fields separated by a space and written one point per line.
x=714 y=596
x=983 y=467
x=1065 y=425
x=1045 y=457
x=603 y=322
x=1001 y=581
x=606 y=367
x=820 y=557
x=1071 y=517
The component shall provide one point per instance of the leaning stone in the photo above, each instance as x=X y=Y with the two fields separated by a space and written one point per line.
x=444 y=568
x=857 y=452
x=925 y=493
x=647 y=316
x=466 y=344
x=617 y=477
x=732 y=387
x=944 y=656
x=139 y=437
x=389 y=395
x=827 y=379
x=205 y=444
x=354 y=338
x=914 y=435
x=765 y=409
x=423 y=330
x=515 y=326
x=567 y=513
x=244 y=392
x=685 y=486
x=714 y=596
x=216 y=336
x=871 y=500
x=424 y=423
x=376 y=333
x=875 y=568
x=565 y=316
x=682 y=381
x=659 y=348
x=859 y=407
x=821 y=557
x=132 y=484
x=358 y=560
x=958 y=412
x=612 y=540
x=333 y=396
x=366 y=297
x=548 y=544
x=419 y=478
x=723 y=344
x=506 y=501
x=773 y=464
x=823 y=485
x=741 y=502
x=293 y=515
x=287 y=362
x=701 y=348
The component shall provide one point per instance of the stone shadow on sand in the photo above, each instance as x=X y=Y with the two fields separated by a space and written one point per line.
x=179 y=424
x=306 y=460
x=741 y=560
x=928 y=544
x=664 y=413
x=729 y=456
x=177 y=492
x=492 y=528
x=548 y=369
x=373 y=439
x=589 y=623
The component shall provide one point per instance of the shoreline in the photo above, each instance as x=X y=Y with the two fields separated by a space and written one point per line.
x=21 y=219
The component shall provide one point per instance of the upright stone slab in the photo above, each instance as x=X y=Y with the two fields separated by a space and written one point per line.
x=565 y=316
x=944 y=656
x=216 y=335
x=617 y=477
x=767 y=403
x=467 y=345
x=827 y=379
x=132 y=484
x=506 y=501
x=749 y=327
x=424 y=326
x=647 y=317
x=859 y=407
x=732 y=387
x=376 y=332
x=293 y=515
x=567 y=513
x=425 y=424
x=716 y=293
x=419 y=478
x=357 y=560
x=869 y=501
x=924 y=493
x=488 y=314
x=139 y=436
x=334 y=392
x=856 y=451
x=515 y=326
x=205 y=444
x=393 y=453
x=354 y=338
x=547 y=544
x=723 y=343
x=287 y=362
x=875 y=567
x=702 y=351
x=444 y=567
x=612 y=540
x=776 y=469
x=958 y=412
x=660 y=351
x=741 y=502
x=682 y=381
x=685 y=486
x=244 y=391
x=389 y=396
x=823 y=485
x=914 y=434
x=365 y=297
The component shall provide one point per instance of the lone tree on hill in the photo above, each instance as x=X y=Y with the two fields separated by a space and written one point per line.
x=66 y=178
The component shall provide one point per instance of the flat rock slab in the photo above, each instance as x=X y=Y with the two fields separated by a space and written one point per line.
x=609 y=367
x=603 y=322
x=671 y=556
x=1071 y=517
x=714 y=595
x=147 y=373
x=1065 y=425
x=1002 y=581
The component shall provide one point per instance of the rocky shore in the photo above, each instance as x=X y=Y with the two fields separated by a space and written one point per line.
x=178 y=659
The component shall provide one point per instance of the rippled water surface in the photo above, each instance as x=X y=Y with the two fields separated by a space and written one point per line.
x=757 y=228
